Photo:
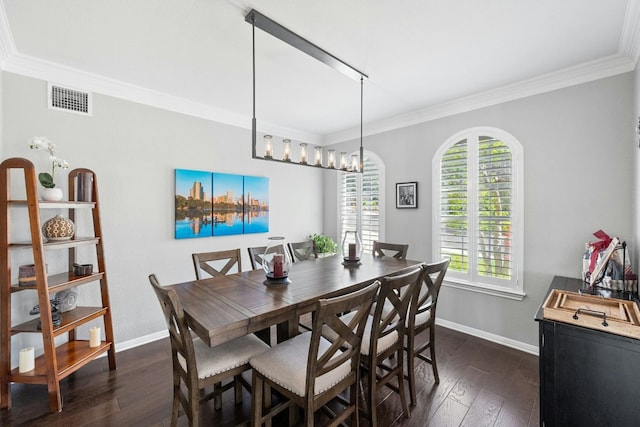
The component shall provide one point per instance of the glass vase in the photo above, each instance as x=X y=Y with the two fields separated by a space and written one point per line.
x=351 y=247
x=276 y=261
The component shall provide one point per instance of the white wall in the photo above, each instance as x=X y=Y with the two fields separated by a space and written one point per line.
x=579 y=157
x=578 y=152
x=134 y=150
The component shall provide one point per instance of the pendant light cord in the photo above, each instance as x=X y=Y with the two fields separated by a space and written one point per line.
x=361 y=116
x=253 y=119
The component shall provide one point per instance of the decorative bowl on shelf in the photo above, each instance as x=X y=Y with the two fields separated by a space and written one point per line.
x=58 y=228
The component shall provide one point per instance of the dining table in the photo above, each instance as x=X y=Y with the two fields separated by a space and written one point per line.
x=222 y=308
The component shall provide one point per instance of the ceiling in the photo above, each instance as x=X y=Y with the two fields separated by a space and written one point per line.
x=424 y=58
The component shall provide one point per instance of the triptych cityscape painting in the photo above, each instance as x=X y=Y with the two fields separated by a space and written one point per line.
x=219 y=204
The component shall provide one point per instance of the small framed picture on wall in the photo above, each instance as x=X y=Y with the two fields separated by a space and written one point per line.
x=407 y=195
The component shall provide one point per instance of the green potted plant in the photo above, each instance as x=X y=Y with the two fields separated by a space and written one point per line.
x=323 y=244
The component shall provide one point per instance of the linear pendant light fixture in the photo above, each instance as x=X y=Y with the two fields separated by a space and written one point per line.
x=256 y=19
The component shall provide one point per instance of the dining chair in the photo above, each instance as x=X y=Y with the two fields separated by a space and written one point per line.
x=302 y=251
x=196 y=365
x=310 y=371
x=422 y=317
x=255 y=256
x=208 y=262
x=395 y=250
x=382 y=348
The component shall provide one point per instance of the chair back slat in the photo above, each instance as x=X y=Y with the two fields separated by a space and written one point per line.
x=255 y=256
x=302 y=251
x=179 y=333
x=382 y=249
x=396 y=292
x=428 y=291
x=204 y=262
x=346 y=345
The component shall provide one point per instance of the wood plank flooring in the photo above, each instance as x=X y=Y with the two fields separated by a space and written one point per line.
x=481 y=384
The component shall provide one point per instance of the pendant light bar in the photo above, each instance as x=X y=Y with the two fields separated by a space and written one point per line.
x=256 y=19
x=282 y=33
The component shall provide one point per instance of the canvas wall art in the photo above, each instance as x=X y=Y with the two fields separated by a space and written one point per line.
x=219 y=204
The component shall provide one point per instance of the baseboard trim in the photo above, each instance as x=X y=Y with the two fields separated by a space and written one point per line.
x=136 y=342
x=518 y=345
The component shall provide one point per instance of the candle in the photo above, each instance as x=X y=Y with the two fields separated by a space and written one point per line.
x=354 y=163
x=343 y=160
x=318 y=156
x=352 y=251
x=278 y=265
x=27 y=361
x=94 y=336
x=303 y=153
x=287 y=150
x=332 y=158
x=268 y=146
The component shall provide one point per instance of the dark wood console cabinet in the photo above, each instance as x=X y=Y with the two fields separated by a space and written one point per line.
x=587 y=377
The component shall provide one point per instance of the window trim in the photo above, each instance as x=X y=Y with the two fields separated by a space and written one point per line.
x=515 y=291
x=381 y=202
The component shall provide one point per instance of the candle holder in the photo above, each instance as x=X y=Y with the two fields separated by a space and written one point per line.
x=268 y=147
x=354 y=163
x=286 y=147
x=351 y=249
x=343 y=161
x=317 y=156
x=276 y=262
x=303 y=153
x=331 y=159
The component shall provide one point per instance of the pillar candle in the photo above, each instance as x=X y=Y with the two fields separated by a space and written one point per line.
x=278 y=265
x=27 y=360
x=352 y=251
x=94 y=336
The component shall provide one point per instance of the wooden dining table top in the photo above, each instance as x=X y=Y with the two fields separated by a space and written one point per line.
x=219 y=309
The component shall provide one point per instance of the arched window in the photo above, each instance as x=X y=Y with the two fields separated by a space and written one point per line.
x=477 y=214
x=361 y=198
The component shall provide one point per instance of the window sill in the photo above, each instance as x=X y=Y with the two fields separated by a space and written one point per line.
x=486 y=289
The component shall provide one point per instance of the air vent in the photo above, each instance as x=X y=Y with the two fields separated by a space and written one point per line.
x=68 y=99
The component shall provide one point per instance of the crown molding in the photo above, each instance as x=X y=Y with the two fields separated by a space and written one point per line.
x=49 y=71
x=7 y=45
x=630 y=37
x=583 y=73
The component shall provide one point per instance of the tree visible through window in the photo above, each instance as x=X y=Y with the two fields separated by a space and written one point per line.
x=477 y=207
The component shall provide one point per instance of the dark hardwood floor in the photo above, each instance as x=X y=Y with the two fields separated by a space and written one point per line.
x=481 y=384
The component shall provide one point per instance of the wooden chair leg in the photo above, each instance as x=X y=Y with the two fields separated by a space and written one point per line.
x=432 y=347
x=257 y=390
x=371 y=397
x=403 y=396
x=218 y=399
x=411 y=373
x=237 y=387
x=175 y=410
x=194 y=406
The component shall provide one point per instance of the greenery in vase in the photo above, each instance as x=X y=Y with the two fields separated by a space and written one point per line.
x=324 y=244
x=45 y=178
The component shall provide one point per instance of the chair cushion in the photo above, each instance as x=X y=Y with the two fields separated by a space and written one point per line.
x=383 y=343
x=224 y=357
x=422 y=318
x=286 y=365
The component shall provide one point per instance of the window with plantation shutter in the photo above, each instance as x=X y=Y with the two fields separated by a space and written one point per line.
x=361 y=196
x=477 y=220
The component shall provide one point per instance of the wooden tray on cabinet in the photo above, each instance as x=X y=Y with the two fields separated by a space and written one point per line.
x=611 y=315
